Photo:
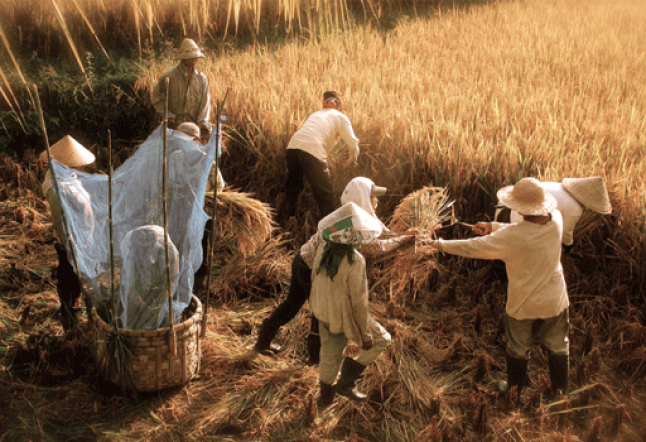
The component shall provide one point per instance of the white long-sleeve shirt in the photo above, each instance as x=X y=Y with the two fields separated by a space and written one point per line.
x=532 y=256
x=320 y=133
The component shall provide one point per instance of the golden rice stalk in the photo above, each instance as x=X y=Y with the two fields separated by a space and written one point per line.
x=70 y=40
x=425 y=210
x=241 y=220
x=80 y=10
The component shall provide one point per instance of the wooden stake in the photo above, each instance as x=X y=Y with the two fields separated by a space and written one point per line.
x=219 y=109
x=172 y=337
x=112 y=272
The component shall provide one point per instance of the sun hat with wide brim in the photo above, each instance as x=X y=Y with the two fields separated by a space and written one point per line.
x=590 y=192
x=70 y=152
x=527 y=197
x=349 y=224
x=188 y=49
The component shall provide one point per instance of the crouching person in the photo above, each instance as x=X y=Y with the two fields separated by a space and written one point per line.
x=339 y=300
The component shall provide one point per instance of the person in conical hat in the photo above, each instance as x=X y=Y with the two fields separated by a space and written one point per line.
x=73 y=154
x=537 y=298
x=189 y=98
x=573 y=195
x=364 y=193
x=339 y=301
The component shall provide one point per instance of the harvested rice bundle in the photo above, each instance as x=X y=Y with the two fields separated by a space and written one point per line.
x=413 y=264
x=242 y=222
x=425 y=210
x=262 y=274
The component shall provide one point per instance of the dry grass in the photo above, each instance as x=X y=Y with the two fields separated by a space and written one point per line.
x=469 y=101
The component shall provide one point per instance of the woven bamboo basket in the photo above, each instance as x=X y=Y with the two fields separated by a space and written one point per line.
x=153 y=364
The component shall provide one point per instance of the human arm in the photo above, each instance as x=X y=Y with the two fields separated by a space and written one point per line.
x=495 y=245
x=345 y=131
x=204 y=110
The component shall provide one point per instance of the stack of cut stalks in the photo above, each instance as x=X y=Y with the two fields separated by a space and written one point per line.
x=413 y=265
x=249 y=258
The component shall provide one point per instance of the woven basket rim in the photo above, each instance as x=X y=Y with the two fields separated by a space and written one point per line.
x=196 y=317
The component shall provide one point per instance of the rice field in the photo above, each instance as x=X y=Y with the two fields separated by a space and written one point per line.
x=464 y=97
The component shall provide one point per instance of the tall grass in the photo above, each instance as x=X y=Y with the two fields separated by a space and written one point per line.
x=498 y=92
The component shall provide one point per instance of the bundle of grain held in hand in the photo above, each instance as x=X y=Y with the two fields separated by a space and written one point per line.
x=413 y=264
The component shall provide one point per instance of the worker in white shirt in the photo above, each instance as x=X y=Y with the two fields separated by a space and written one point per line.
x=537 y=298
x=308 y=150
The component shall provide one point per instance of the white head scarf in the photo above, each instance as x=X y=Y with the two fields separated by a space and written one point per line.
x=359 y=191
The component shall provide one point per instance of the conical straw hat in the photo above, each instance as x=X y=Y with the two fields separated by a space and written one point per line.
x=349 y=224
x=527 y=197
x=69 y=152
x=590 y=192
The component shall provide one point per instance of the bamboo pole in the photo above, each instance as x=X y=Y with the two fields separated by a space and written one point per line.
x=218 y=135
x=112 y=272
x=57 y=197
x=172 y=338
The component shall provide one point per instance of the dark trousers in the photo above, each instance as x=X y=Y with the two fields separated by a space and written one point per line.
x=301 y=164
x=69 y=289
x=299 y=292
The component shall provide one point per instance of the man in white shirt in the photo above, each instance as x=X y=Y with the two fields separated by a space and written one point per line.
x=537 y=298
x=308 y=150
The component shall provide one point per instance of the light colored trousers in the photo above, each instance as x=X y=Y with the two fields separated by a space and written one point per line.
x=552 y=333
x=333 y=344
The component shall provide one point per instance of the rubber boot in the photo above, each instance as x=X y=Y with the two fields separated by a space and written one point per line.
x=350 y=373
x=327 y=395
x=68 y=288
x=266 y=334
x=559 y=368
x=313 y=349
x=516 y=375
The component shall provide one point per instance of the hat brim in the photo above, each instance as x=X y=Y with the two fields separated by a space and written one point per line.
x=189 y=55
x=378 y=191
x=548 y=205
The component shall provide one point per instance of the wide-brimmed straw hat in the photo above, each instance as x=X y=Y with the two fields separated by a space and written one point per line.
x=349 y=224
x=188 y=49
x=69 y=152
x=527 y=197
x=590 y=192
x=189 y=129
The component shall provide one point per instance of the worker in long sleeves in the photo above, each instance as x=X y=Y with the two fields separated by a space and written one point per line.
x=308 y=150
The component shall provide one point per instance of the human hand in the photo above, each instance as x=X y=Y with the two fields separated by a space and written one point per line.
x=482 y=228
x=367 y=345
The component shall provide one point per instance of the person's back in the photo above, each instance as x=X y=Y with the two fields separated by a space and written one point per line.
x=321 y=131
x=532 y=256
x=342 y=301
